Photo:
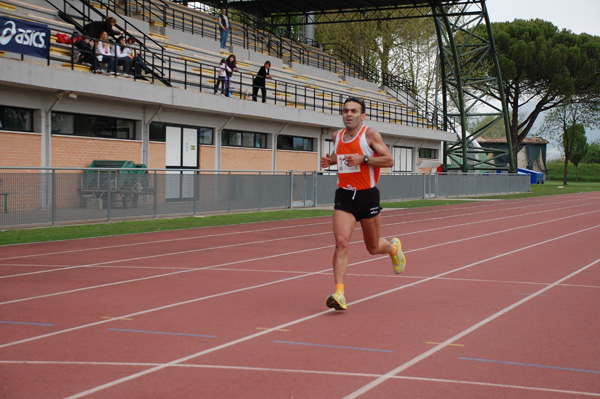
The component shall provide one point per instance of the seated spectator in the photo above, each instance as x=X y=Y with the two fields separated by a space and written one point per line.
x=138 y=62
x=95 y=29
x=123 y=54
x=85 y=46
x=104 y=52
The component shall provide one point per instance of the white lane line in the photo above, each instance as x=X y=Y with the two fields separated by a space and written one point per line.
x=380 y=380
x=313 y=316
x=170 y=274
x=290 y=238
x=300 y=371
x=274 y=256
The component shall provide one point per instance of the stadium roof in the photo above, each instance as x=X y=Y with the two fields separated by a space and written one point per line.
x=268 y=7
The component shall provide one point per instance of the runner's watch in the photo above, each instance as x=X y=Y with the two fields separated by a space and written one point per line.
x=366 y=159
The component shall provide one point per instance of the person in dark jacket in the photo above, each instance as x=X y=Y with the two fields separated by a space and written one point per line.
x=231 y=64
x=138 y=62
x=86 y=47
x=95 y=29
x=259 y=82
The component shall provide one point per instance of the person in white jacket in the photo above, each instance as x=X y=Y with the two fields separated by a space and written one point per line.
x=124 y=55
x=104 y=51
x=222 y=73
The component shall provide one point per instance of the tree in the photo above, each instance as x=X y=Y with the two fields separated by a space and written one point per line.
x=546 y=67
x=575 y=146
x=593 y=153
x=415 y=56
x=495 y=130
x=557 y=120
x=356 y=42
x=406 y=48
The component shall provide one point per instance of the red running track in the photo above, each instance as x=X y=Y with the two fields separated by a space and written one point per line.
x=499 y=299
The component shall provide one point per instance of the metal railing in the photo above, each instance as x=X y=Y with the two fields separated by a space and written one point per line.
x=177 y=70
x=258 y=35
x=82 y=10
x=52 y=196
x=184 y=72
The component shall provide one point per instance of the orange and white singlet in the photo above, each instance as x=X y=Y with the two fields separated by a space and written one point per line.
x=357 y=177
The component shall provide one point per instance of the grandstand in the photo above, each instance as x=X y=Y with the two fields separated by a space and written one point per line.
x=56 y=113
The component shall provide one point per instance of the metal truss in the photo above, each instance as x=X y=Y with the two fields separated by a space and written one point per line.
x=467 y=52
x=362 y=14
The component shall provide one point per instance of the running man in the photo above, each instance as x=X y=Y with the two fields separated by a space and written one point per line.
x=359 y=154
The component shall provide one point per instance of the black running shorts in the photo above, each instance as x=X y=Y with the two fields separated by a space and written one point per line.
x=363 y=204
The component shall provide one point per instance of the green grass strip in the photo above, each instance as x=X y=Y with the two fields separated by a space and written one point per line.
x=20 y=236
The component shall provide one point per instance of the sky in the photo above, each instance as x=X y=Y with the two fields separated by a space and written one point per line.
x=578 y=16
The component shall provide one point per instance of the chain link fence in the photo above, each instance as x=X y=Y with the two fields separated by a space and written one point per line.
x=50 y=196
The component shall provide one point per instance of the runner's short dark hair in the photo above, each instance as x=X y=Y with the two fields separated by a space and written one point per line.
x=358 y=100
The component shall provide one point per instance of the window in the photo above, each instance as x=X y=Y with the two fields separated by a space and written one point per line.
x=403 y=159
x=12 y=118
x=158 y=132
x=205 y=136
x=428 y=153
x=294 y=143
x=329 y=148
x=234 y=138
x=92 y=126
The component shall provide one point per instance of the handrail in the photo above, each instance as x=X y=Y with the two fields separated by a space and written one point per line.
x=259 y=35
x=181 y=72
x=402 y=88
x=84 y=14
x=256 y=33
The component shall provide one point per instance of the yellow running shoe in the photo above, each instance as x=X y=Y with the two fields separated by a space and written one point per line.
x=398 y=260
x=336 y=301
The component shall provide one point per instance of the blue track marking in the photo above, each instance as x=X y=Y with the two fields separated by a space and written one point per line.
x=333 y=346
x=162 y=333
x=26 y=323
x=531 y=365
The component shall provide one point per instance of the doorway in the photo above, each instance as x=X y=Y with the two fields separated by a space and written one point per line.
x=181 y=154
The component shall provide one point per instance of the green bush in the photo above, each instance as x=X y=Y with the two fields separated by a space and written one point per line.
x=587 y=172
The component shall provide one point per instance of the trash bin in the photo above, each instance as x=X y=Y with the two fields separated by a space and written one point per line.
x=536 y=177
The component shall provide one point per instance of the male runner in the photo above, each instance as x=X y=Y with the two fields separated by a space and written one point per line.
x=359 y=154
